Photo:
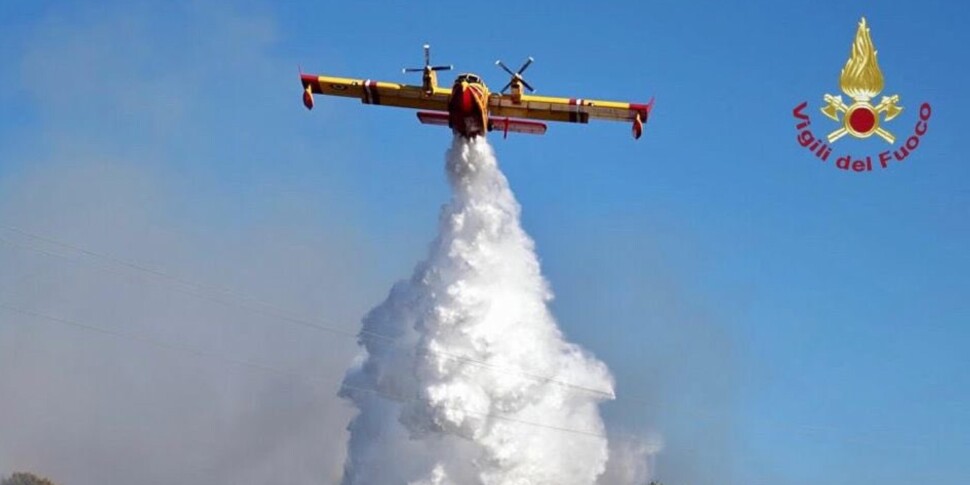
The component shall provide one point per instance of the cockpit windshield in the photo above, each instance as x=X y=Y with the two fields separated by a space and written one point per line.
x=468 y=78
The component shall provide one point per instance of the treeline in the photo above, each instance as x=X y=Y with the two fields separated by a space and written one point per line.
x=25 y=479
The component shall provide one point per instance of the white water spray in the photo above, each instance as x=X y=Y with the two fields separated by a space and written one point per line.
x=466 y=378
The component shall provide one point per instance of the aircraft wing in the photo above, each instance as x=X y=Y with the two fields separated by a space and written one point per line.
x=374 y=92
x=570 y=110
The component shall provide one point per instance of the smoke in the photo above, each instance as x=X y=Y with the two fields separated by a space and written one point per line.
x=631 y=460
x=466 y=377
x=138 y=160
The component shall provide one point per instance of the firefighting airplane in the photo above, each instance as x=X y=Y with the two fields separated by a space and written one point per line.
x=469 y=109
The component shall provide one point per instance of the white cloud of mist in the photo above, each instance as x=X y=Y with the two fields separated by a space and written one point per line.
x=443 y=393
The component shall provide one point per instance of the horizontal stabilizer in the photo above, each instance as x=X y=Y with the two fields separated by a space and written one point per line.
x=506 y=125
x=433 y=118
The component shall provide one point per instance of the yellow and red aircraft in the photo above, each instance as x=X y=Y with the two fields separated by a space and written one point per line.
x=469 y=109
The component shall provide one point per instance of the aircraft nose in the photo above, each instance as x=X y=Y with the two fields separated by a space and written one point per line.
x=467 y=97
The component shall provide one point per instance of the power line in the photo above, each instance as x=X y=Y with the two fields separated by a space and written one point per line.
x=268 y=309
x=266 y=368
x=139 y=338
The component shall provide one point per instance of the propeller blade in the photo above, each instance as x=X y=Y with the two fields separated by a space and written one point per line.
x=442 y=68
x=413 y=69
x=427 y=54
x=517 y=76
x=503 y=66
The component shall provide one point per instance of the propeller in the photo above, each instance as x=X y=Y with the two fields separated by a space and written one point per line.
x=427 y=63
x=517 y=76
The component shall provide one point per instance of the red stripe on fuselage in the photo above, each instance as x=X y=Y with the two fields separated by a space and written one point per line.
x=467 y=99
x=371 y=95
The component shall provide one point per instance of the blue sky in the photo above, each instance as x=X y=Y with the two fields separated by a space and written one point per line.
x=777 y=320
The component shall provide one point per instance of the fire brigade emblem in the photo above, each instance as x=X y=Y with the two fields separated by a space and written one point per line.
x=862 y=80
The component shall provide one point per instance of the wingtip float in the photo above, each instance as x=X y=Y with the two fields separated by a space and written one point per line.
x=469 y=108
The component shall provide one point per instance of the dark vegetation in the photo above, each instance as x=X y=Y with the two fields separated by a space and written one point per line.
x=20 y=478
